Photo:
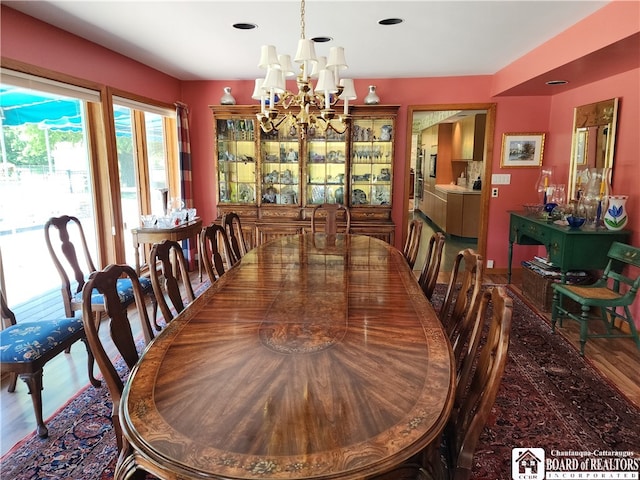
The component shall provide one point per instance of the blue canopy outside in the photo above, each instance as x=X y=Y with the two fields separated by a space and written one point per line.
x=19 y=106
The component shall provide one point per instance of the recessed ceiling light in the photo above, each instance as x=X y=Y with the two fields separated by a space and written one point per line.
x=556 y=82
x=321 y=39
x=245 y=26
x=390 y=21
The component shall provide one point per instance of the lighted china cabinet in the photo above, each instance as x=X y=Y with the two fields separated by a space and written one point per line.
x=273 y=180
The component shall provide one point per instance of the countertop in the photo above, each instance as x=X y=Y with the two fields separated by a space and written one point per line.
x=451 y=188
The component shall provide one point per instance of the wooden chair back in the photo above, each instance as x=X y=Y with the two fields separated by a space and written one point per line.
x=463 y=290
x=330 y=212
x=6 y=315
x=431 y=268
x=168 y=271
x=105 y=282
x=65 y=258
x=477 y=390
x=215 y=250
x=233 y=226
x=65 y=252
x=412 y=243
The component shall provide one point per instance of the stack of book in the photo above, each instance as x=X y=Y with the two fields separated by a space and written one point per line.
x=547 y=269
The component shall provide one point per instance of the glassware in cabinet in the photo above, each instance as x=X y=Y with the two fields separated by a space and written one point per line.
x=280 y=166
x=236 y=152
x=371 y=161
x=326 y=168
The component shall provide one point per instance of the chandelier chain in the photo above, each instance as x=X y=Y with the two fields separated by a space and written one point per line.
x=302 y=12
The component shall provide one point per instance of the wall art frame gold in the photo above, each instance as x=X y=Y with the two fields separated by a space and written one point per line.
x=522 y=150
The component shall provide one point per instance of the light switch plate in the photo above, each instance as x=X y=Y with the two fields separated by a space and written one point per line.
x=501 y=179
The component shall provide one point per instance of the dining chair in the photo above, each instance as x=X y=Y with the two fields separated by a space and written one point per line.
x=463 y=291
x=121 y=335
x=169 y=274
x=233 y=226
x=451 y=457
x=215 y=250
x=330 y=212
x=25 y=348
x=431 y=268
x=604 y=300
x=69 y=227
x=412 y=243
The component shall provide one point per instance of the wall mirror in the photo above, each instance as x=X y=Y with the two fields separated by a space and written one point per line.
x=593 y=142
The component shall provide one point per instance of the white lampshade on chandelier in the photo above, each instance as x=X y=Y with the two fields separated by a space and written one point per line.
x=329 y=89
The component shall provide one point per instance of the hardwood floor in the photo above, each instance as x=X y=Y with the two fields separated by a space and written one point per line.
x=618 y=360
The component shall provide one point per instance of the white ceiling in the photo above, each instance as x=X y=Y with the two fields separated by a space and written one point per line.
x=194 y=40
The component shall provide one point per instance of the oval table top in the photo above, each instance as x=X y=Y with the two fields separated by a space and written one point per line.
x=315 y=357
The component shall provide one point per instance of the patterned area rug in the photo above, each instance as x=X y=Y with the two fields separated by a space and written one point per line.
x=549 y=398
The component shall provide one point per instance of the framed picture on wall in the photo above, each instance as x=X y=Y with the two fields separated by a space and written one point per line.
x=522 y=150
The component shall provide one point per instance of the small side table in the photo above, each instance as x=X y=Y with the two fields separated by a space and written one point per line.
x=183 y=231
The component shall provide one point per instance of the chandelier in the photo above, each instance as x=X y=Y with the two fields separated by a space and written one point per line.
x=278 y=104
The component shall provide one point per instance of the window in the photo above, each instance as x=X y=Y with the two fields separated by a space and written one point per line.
x=145 y=153
x=56 y=159
x=44 y=172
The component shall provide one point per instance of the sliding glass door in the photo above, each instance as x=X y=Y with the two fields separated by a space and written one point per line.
x=44 y=172
x=143 y=163
x=57 y=157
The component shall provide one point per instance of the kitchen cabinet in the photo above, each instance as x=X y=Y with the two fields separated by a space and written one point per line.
x=273 y=180
x=463 y=214
x=456 y=210
x=434 y=205
x=469 y=138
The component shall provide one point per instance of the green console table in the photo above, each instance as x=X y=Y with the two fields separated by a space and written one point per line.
x=569 y=249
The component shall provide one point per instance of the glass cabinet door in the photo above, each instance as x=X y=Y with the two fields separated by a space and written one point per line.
x=371 y=161
x=236 y=161
x=280 y=167
x=326 y=168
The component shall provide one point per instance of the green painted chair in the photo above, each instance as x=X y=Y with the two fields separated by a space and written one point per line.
x=604 y=300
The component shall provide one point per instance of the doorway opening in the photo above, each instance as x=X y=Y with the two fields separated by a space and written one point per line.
x=450 y=151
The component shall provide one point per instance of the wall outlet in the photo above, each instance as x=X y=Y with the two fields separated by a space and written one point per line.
x=489 y=263
x=494 y=192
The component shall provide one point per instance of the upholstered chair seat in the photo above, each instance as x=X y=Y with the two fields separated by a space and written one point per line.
x=25 y=348
x=28 y=341
x=124 y=289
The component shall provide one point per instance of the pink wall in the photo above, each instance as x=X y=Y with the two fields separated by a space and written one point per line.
x=614 y=22
x=200 y=94
x=515 y=114
x=28 y=40
x=554 y=116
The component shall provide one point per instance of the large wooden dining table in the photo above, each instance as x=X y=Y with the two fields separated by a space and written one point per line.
x=315 y=357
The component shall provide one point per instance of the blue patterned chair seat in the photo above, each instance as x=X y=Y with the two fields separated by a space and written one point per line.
x=124 y=288
x=27 y=341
